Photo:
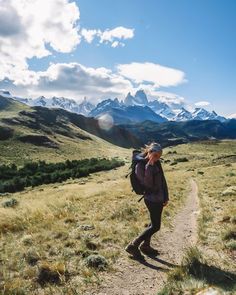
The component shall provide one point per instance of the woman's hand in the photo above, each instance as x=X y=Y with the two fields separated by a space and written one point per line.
x=152 y=159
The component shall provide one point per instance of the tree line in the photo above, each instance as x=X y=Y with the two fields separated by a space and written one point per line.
x=13 y=178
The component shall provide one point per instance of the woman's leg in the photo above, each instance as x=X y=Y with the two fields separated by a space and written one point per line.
x=155 y=211
x=147 y=241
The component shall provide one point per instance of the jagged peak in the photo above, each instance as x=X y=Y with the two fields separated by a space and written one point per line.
x=140 y=91
x=129 y=95
x=182 y=109
x=41 y=97
x=197 y=110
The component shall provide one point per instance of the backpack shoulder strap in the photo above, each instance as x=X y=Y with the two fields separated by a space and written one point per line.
x=136 y=157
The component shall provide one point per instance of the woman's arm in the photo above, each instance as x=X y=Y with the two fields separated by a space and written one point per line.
x=165 y=186
x=149 y=176
x=166 y=192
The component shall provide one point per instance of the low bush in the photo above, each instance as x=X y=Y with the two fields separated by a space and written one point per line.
x=15 y=179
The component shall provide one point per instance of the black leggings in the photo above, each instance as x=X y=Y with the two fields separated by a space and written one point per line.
x=155 y=210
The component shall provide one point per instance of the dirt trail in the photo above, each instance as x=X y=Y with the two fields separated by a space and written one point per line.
x=148 y=277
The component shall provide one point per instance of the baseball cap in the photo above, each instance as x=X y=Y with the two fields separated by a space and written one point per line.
x=155 y=147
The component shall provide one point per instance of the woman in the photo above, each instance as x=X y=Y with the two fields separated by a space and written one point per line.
x=155 y=197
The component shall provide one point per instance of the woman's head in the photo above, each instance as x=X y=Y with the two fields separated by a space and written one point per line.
x=153 y=150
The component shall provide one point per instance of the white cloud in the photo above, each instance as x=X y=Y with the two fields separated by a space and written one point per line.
x=155 y=74
x=109 y=36
x=75 y=80
x=25 y=33
x=40 y=24
x=89 y=35
x=10 y=23
x=117 y=43
x=117 y=33
x=171 y=99
x=202 y=103
x=37 y=28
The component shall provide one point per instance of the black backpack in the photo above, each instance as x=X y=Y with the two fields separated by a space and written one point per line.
x=137 y=186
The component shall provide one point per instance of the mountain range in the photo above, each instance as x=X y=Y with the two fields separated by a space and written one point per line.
x=57 y=128
x=135 y=108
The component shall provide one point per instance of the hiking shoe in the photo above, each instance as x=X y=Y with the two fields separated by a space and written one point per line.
x=134 y=250
x=148 y=250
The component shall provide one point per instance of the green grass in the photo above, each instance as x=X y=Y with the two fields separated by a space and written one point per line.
x=59 y=225
x=72 y=142
x=13 y=109
x=211 y=262
x=33 y=174
x=197 y=273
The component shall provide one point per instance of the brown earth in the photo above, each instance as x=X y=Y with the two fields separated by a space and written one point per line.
x=133 y=277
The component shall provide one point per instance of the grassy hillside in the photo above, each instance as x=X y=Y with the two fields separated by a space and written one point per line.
x=57 y=226
x=10 y=107
x=52 y=231
x=62 y=238
x=54 y=135
x=212 y=261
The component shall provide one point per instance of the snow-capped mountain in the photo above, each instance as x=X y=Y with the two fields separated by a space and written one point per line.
x=202 y=114
x=156 y=109
x=197 y=114
x=5 y=93
x=162 y=109
x=104 y=106
x=139 y=98
x=64 y=103
x=67 y=104
x=135 y=111
x=85 y=107
x=159 y=107
x=131 y=114
x=183 y=115
x=41 y=101
x=175 y=113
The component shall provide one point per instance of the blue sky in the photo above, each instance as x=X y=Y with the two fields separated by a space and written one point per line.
x=196 y=38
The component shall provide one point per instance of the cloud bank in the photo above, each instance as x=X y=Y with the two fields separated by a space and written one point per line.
x=41 y=28
x=38 y=28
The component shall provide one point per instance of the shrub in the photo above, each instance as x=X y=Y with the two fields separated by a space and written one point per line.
x=10 y=203
x=231 y=245
x=229 y=234
x=200 y=172
x=34 y=174
x=184 y=159
x=96 y=261
x=51 y=273
x=31 y=257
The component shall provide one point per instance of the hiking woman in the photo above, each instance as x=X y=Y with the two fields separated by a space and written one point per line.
x=155 y=197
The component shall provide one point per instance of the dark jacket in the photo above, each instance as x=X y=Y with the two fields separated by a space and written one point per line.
x=153 y=178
